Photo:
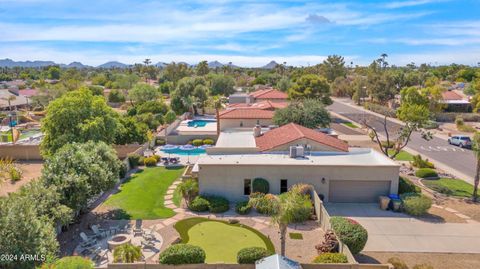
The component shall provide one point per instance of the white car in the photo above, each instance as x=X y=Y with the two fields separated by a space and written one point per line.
x=462 y=141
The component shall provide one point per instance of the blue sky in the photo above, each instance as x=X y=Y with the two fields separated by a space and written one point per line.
x=247 y=33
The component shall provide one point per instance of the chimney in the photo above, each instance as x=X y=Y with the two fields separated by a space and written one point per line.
x=257 y=131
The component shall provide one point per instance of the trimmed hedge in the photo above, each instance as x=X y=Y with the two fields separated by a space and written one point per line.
x=208 y=141
x=134 y=160
x=416 y=204
x=197 y=142
x=243 y=208
x=252 y=254
x=331 y=258
x=426 y=173
x=260 y=185
x=182 y=254
x=350 y=232
x=198 y=204
x=150 y=161
x=405 y=186
x=73 y=262
x=217 y=204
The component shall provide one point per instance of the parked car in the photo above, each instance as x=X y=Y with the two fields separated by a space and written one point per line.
x=462 y=141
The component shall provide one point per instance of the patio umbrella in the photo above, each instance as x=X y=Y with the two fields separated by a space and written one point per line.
x=188 y=148
x=170 y=146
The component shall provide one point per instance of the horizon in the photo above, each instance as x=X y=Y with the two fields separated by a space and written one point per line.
x=248 y=34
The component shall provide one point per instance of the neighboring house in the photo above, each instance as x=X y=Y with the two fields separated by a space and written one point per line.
x=290 y=155
x=265 y=105
x=455 y=102
x=244 y=118
x=16 y=101
x=268 y=94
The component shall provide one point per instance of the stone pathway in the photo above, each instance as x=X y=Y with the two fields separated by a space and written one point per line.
x=458 y=214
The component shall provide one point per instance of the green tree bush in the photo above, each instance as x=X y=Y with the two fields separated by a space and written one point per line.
x=426 y=173
x=350 y=232
x=199 y=204
x=127 y=253
x=182 y=254
x=243 y=208
x=252 y=254
x=416 y=204
x=260 y=185
x=331 y=258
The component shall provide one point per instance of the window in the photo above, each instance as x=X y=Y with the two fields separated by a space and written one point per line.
x=247 y=186
x=241 y=124
x=283 y=185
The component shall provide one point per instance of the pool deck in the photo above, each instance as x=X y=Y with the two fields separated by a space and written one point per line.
x=208 y=129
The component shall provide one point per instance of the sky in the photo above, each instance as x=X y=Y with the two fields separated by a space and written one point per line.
x=246 y=33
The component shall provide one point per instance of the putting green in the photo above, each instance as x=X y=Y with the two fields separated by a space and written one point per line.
x=220 y=240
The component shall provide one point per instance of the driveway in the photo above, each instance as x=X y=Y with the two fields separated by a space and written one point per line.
x=397 y=232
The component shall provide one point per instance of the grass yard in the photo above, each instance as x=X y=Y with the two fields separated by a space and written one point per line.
x=177 y=197
x=402 y=156
x=350 y=124
x=142 y=196
x=220 y=240
x=450 y=186
x=296 y=236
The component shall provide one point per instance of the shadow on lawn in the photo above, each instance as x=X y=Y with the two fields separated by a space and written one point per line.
x=116 y=214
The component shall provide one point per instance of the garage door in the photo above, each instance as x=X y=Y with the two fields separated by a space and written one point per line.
x=351 y=191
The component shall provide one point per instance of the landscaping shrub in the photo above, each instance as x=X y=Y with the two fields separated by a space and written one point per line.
x=150 y=161
x=459 y=121
x=426 y=173
x=199 y=204
x=405 y=185
x=159 y=142
x=208 y=141
x=416 y=204
x=451 y=116
x=386 y=144
x=134 y=160
x=380 y=109
x=260 y=185
x=15 y=173
x=440 y=189
x=156 y=157
x=217 y=204
x=302 y=188
x=73 y=262
x=182 y=254
x=331 y=258
x=265 y=204
x=421 y=163
x=197 y=142
x=397 y=263
x=350 y=232
x=252 y=254
x=430 y=125
x=243 y=208
x=127 y=253
x=122 y=172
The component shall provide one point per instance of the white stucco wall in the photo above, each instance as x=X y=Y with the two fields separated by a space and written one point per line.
x=228 y=180
x=235 y=123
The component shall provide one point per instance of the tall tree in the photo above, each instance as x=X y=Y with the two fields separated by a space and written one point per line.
x=476 y=151
x=311 y=86
x=202 y=68
x=310 y=113
x=333 y=67
x=222 y=84
x=142 y=93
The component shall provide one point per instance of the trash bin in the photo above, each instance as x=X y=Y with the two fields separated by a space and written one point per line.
x=396 y=204
x=384 y=201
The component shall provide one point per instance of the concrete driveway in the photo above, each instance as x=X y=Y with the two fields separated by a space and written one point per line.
x=397 y=232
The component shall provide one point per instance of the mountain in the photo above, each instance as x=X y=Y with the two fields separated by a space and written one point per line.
x=161 y=64
x=215 y=64
x=185 y=63
x=113 y=64
x=11 y=63
x=77 y=65
x=270 y=65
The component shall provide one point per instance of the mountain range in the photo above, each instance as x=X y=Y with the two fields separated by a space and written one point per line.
x=110 y=64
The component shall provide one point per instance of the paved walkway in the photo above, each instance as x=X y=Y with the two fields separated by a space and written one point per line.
x=396 y=232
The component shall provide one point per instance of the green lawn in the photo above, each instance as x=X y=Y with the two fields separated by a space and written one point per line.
x=220 y=240
x=450 y=186
x=142 y=196
x=350 y=124
x=402 y=156
x=177 y=197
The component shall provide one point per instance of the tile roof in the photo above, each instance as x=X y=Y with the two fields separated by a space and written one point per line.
x=254 y=113
x=291 y=132
x=270 y=93
x=28 y=92
x=266 y=105
x=451 y=95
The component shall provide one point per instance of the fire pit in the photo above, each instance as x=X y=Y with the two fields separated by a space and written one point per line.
x=118 y=240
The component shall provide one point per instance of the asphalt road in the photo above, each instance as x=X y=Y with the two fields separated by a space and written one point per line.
x=436 y=149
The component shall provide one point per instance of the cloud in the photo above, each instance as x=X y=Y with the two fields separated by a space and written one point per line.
x=412 y=3
x=317 y=19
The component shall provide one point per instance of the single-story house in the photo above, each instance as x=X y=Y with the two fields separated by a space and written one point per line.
x=290 y=155
x=244 y=118
x=455 y=102
x=268 y=94
x=265 y=105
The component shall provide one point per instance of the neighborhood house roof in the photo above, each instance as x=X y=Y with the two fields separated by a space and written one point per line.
x=291 y=132
x=254 y=113
x=265 y=105
x=269 y=94
x=451 y=95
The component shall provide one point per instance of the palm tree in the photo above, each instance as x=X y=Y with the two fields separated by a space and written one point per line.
x=476 y=151
x=188 y=102
x=217 y=104
x=188 y=189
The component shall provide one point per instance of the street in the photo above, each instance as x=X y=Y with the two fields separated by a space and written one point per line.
x=436 y=149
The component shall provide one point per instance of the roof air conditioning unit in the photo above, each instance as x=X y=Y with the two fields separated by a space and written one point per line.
x=293 y=152
x=300 y=151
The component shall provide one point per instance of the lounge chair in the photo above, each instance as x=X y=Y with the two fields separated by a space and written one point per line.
x=126 y=229
x=148 y=235
x=100 y=253
x=147 y=244
x=99 y=232
x=87 y=241
x=114 y=229
x=138 y=228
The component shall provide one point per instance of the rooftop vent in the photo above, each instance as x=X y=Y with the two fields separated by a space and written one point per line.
x=257 y=131
x=297 y=151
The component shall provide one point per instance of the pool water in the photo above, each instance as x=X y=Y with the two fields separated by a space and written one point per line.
x=199 y=123
x=178 y=151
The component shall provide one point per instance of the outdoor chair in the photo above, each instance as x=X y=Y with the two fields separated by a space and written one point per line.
x=148 y=235
x=99 y=253
x=126 y=229
x=114 y=229
x=148 y=244
x=99 y=232
x=87 y=241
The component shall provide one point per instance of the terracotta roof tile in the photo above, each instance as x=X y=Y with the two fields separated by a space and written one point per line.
x=269 y=94
x=450 y=95
x=291 y=132
x=265 y=105
x=237 y=113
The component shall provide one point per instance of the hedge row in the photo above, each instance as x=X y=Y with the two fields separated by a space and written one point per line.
x=214 y=204
x=451 y=116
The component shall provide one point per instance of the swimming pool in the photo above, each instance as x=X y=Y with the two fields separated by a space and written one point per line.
x=199 y=123
x=179 y=151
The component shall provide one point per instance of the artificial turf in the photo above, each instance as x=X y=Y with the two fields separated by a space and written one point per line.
x=220 y=240
x=142 y=196
x=457 y=187
x=402 y=155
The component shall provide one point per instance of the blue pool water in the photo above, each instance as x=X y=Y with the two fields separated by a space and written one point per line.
x=178 y=151
x=199 y=123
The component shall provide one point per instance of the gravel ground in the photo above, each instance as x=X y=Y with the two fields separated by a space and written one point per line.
x=437 y=260
x=31 y=170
